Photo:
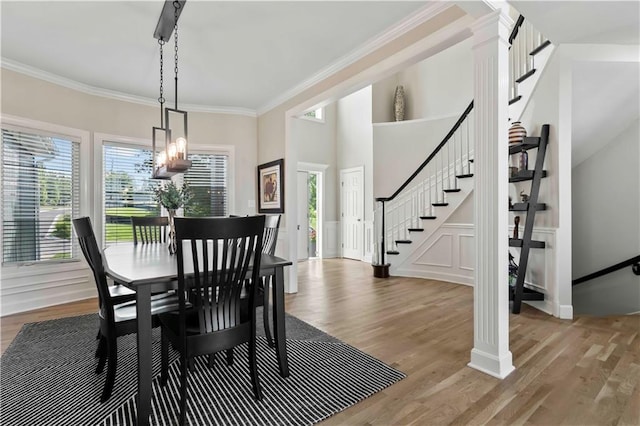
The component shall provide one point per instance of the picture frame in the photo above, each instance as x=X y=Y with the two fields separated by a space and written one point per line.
x=271 y=187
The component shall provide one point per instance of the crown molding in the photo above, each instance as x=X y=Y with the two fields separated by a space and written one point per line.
x=30 y=71
x=392 y=33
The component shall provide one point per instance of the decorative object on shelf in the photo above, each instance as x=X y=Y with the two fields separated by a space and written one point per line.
x=516 y=222
x=172 y=198
x=173 y=159
x=271 y=187
x=517 y=133
x=524 y=160
x=524 y=197
x=513 y=271
x=510 y=202
x=398 y=103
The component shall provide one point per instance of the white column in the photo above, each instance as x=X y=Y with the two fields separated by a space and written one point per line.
x=490 y=352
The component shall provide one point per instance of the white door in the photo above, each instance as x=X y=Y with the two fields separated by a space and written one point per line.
x=303 y=216
x=352 y=206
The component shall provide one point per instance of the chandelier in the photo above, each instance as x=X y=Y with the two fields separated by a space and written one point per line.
x=173 y=121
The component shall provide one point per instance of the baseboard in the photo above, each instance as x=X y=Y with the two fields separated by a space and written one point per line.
x=565 y=312
x=430 y=275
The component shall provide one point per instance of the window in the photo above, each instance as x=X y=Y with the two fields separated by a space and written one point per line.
x=316 y=114
x=40 y=195
x=207 y=179
x=128 y=188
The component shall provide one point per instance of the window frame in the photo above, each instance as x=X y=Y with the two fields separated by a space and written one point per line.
x=19 y=270
x=314 y=119
x=98 y=165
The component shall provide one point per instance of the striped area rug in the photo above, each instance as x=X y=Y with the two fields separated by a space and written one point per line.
x=48 y=379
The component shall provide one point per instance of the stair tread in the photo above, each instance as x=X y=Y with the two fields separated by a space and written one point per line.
x=514 y=100
x=439 y=204
x=393 y=252
x=428 y=217
x=468 y=175
x=540 y=48
x=415 y=229
x=526 y=75
x=403 y=241
x=452 y=190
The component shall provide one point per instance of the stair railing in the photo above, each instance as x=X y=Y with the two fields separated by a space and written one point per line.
x=415 y=198
x=525 y=41
x=634 y=262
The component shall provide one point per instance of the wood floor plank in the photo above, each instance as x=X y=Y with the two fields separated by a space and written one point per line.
x=580 y=372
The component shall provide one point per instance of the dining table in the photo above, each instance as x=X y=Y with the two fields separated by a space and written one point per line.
x=149 y=268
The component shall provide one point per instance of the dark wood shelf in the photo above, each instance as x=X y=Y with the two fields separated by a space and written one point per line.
x=523 y=207
x=527 y=143
x=532 y=244
x=527 y=294
x=525 y=175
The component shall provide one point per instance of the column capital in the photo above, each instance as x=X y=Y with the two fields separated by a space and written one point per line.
x=491 y=25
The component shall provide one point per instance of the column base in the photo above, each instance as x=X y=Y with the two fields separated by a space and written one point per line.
x=490 y=364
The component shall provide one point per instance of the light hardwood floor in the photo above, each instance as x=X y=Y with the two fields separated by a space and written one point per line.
x=580 y=372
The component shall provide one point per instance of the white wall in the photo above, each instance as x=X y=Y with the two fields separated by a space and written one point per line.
x=606 y=225
x=33 y=286
x=441 y=85
x=354 y=137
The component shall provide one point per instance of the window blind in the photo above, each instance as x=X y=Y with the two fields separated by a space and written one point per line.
x=207 y=179
x=40 y=195
x=128 y=189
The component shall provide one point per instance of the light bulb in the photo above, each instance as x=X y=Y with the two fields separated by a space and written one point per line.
x=171 y=151
x=181 y=143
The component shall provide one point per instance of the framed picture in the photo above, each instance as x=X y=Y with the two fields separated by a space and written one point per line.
x=271 y=187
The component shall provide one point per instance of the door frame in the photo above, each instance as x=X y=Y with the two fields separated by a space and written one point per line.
x=361 y=224
x=320 y=170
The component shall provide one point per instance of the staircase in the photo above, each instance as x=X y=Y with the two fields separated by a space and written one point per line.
x=406 y=220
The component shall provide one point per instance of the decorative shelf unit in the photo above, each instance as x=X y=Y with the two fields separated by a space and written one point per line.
x=519 y=292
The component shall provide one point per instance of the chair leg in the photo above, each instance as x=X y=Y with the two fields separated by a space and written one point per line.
x=229 y=356
x=101 y=353
x=183 y=390
x=192 y=364
x=211 y=358
x=265 y=311
x=99 y=348
x=112 y=348
x=253 y=370
x=164 y=358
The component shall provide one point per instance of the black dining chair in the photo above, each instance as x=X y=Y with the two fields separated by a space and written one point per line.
x=149 y=229
x=211 y=318
x=269 y=240
x=116 y=319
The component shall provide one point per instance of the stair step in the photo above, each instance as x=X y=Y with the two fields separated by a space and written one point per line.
x=452 y=190
x=439 y=204
x=526 y=75
x=427 y=217
x=471 y=160
x=525 y=175
x=533 y=244
x=393 y=252
x=415 y=230
x=540 y=48
x=468 y=175
x=403 y=241
x=514 y=100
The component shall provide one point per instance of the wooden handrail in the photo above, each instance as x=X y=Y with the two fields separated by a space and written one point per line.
x=634 y=262
x=516 y=28
x=431 y=156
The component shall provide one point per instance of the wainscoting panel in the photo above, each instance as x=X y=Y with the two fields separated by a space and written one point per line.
x=331 y=239
x=439 y=253
x=368 y=241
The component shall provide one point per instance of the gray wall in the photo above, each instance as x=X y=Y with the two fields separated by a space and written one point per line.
x=606 y=225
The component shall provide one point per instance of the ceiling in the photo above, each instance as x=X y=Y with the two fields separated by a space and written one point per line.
x=234 y=55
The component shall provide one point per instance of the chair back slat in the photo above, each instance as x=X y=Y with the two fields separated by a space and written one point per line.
x=93 y=256
x=149 y=229
x=270 y=237
x=222 y=251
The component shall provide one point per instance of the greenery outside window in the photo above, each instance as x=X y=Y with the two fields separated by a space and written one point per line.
x=315 y=115
x=40 y=195
x=207 y=179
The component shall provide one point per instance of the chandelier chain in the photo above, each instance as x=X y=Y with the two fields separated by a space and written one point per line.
x=176 y=6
